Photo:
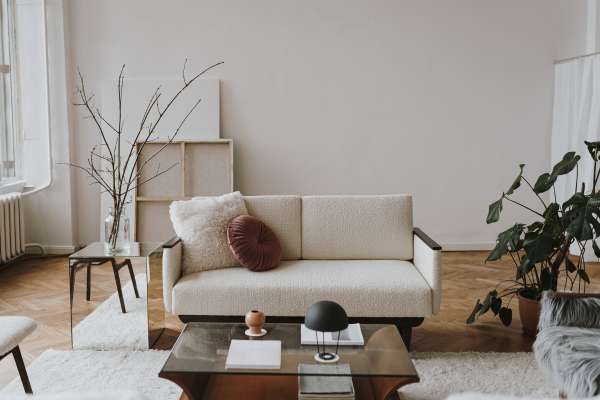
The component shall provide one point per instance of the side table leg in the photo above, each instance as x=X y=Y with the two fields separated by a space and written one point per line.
x=130 y=267
x=72 y=282
x=118 y=283
x=88 y=289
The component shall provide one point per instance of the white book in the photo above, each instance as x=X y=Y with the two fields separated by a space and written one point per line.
x=254 y=354
x=351 y=336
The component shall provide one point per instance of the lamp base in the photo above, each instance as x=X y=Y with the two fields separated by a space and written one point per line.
x=327 y=358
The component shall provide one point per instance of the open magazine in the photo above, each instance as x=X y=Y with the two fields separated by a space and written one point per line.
x=351 y=336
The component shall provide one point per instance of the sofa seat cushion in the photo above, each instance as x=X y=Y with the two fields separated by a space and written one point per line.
x=365 y=288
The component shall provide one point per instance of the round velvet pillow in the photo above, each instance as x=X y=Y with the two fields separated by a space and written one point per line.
x=253 y=243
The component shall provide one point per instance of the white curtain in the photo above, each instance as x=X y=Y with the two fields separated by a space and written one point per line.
x=576 y=118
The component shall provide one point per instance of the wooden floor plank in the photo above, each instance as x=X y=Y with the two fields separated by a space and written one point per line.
x=39 y=288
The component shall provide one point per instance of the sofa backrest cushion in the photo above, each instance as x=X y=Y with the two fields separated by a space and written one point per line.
x=283 y=215
x=357 y=227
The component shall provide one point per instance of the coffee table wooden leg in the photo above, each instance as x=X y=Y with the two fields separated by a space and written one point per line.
x=193 y=385
x=207 y=387
x=387 y=388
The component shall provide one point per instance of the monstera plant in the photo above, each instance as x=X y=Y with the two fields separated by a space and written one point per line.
x=540 y=250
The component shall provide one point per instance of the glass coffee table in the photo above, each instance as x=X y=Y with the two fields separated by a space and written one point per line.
x=197 y=363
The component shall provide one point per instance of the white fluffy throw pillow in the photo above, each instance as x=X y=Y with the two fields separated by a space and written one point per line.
x=201 y=223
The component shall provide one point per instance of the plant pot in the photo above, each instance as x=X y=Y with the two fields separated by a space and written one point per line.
x=529 y=312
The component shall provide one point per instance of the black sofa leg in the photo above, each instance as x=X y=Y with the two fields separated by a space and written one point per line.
x=406 y=333
x=404 y=326
x=22 y=371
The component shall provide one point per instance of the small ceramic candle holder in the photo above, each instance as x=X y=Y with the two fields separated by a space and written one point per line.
x=255 y=320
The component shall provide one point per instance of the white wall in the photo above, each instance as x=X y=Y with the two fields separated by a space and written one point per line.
x=441 y=99
x=572 y=27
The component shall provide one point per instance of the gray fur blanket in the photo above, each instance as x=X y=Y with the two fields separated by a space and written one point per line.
x=565 y=311
x=568 y=344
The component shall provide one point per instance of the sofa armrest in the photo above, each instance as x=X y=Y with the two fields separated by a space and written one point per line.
x=427 y=258
x=171 y=269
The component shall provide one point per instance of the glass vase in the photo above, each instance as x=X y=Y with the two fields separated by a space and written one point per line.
x=116 y=231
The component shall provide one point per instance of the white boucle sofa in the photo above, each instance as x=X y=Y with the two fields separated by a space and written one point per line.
x=359 y=251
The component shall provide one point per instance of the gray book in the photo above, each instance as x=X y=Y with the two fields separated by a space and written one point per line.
x=325 y=385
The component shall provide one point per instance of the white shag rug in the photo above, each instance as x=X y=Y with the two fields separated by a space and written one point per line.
x=81 y=371
x=442 y=374
x=107 y=328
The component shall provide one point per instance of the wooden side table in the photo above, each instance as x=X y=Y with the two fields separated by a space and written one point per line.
x=78 y=264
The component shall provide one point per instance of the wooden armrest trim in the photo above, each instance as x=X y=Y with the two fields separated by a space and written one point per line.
x=428 y=241
x=171 y=242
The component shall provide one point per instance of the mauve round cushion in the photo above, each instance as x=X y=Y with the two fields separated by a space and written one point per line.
x=253 y=243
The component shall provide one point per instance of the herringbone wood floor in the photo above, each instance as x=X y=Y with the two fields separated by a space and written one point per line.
x=39 y=288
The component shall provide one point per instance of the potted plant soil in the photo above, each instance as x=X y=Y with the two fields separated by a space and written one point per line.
x=540 y=250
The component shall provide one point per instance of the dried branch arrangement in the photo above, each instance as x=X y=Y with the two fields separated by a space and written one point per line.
x=115 y=163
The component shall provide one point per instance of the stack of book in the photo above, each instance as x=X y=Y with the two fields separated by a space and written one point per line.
x=336 y=385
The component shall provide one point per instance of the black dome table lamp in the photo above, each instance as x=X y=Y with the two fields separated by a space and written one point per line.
x=326 y=316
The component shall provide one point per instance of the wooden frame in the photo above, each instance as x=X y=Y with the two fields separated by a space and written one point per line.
x=203 y=168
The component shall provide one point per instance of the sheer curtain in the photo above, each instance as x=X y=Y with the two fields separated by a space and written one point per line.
x=576 y=118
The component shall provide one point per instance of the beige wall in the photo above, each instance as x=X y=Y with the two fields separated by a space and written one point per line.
x=441 y=99
x=571 y=27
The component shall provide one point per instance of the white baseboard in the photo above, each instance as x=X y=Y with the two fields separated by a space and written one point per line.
x=54 y=249
x=476 y=246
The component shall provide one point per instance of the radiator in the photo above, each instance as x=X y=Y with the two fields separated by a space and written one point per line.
x=12 y=227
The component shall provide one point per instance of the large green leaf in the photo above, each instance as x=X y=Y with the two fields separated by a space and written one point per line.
x=505 y=316
x=544 y=182
x=535 y=226
x=552 y=224
x=583 y=275
x=517 y=182
x=551 y=211
x=508 y=240
x=473 y=314
x=596 y=248
x=496 y=305
x=538 y=248
x=494 y=211
x=546 y=279
x=579 y=228
x=524 y=268
x=581 y=216
x=577 y=200
x=593 y=149
x=566 y=165
x=487 y=302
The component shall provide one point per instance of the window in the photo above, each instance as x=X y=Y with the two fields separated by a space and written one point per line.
x=8 y=121
x=25 y=158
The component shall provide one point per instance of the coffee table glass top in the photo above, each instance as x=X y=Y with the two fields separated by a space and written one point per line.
x=202 y=348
